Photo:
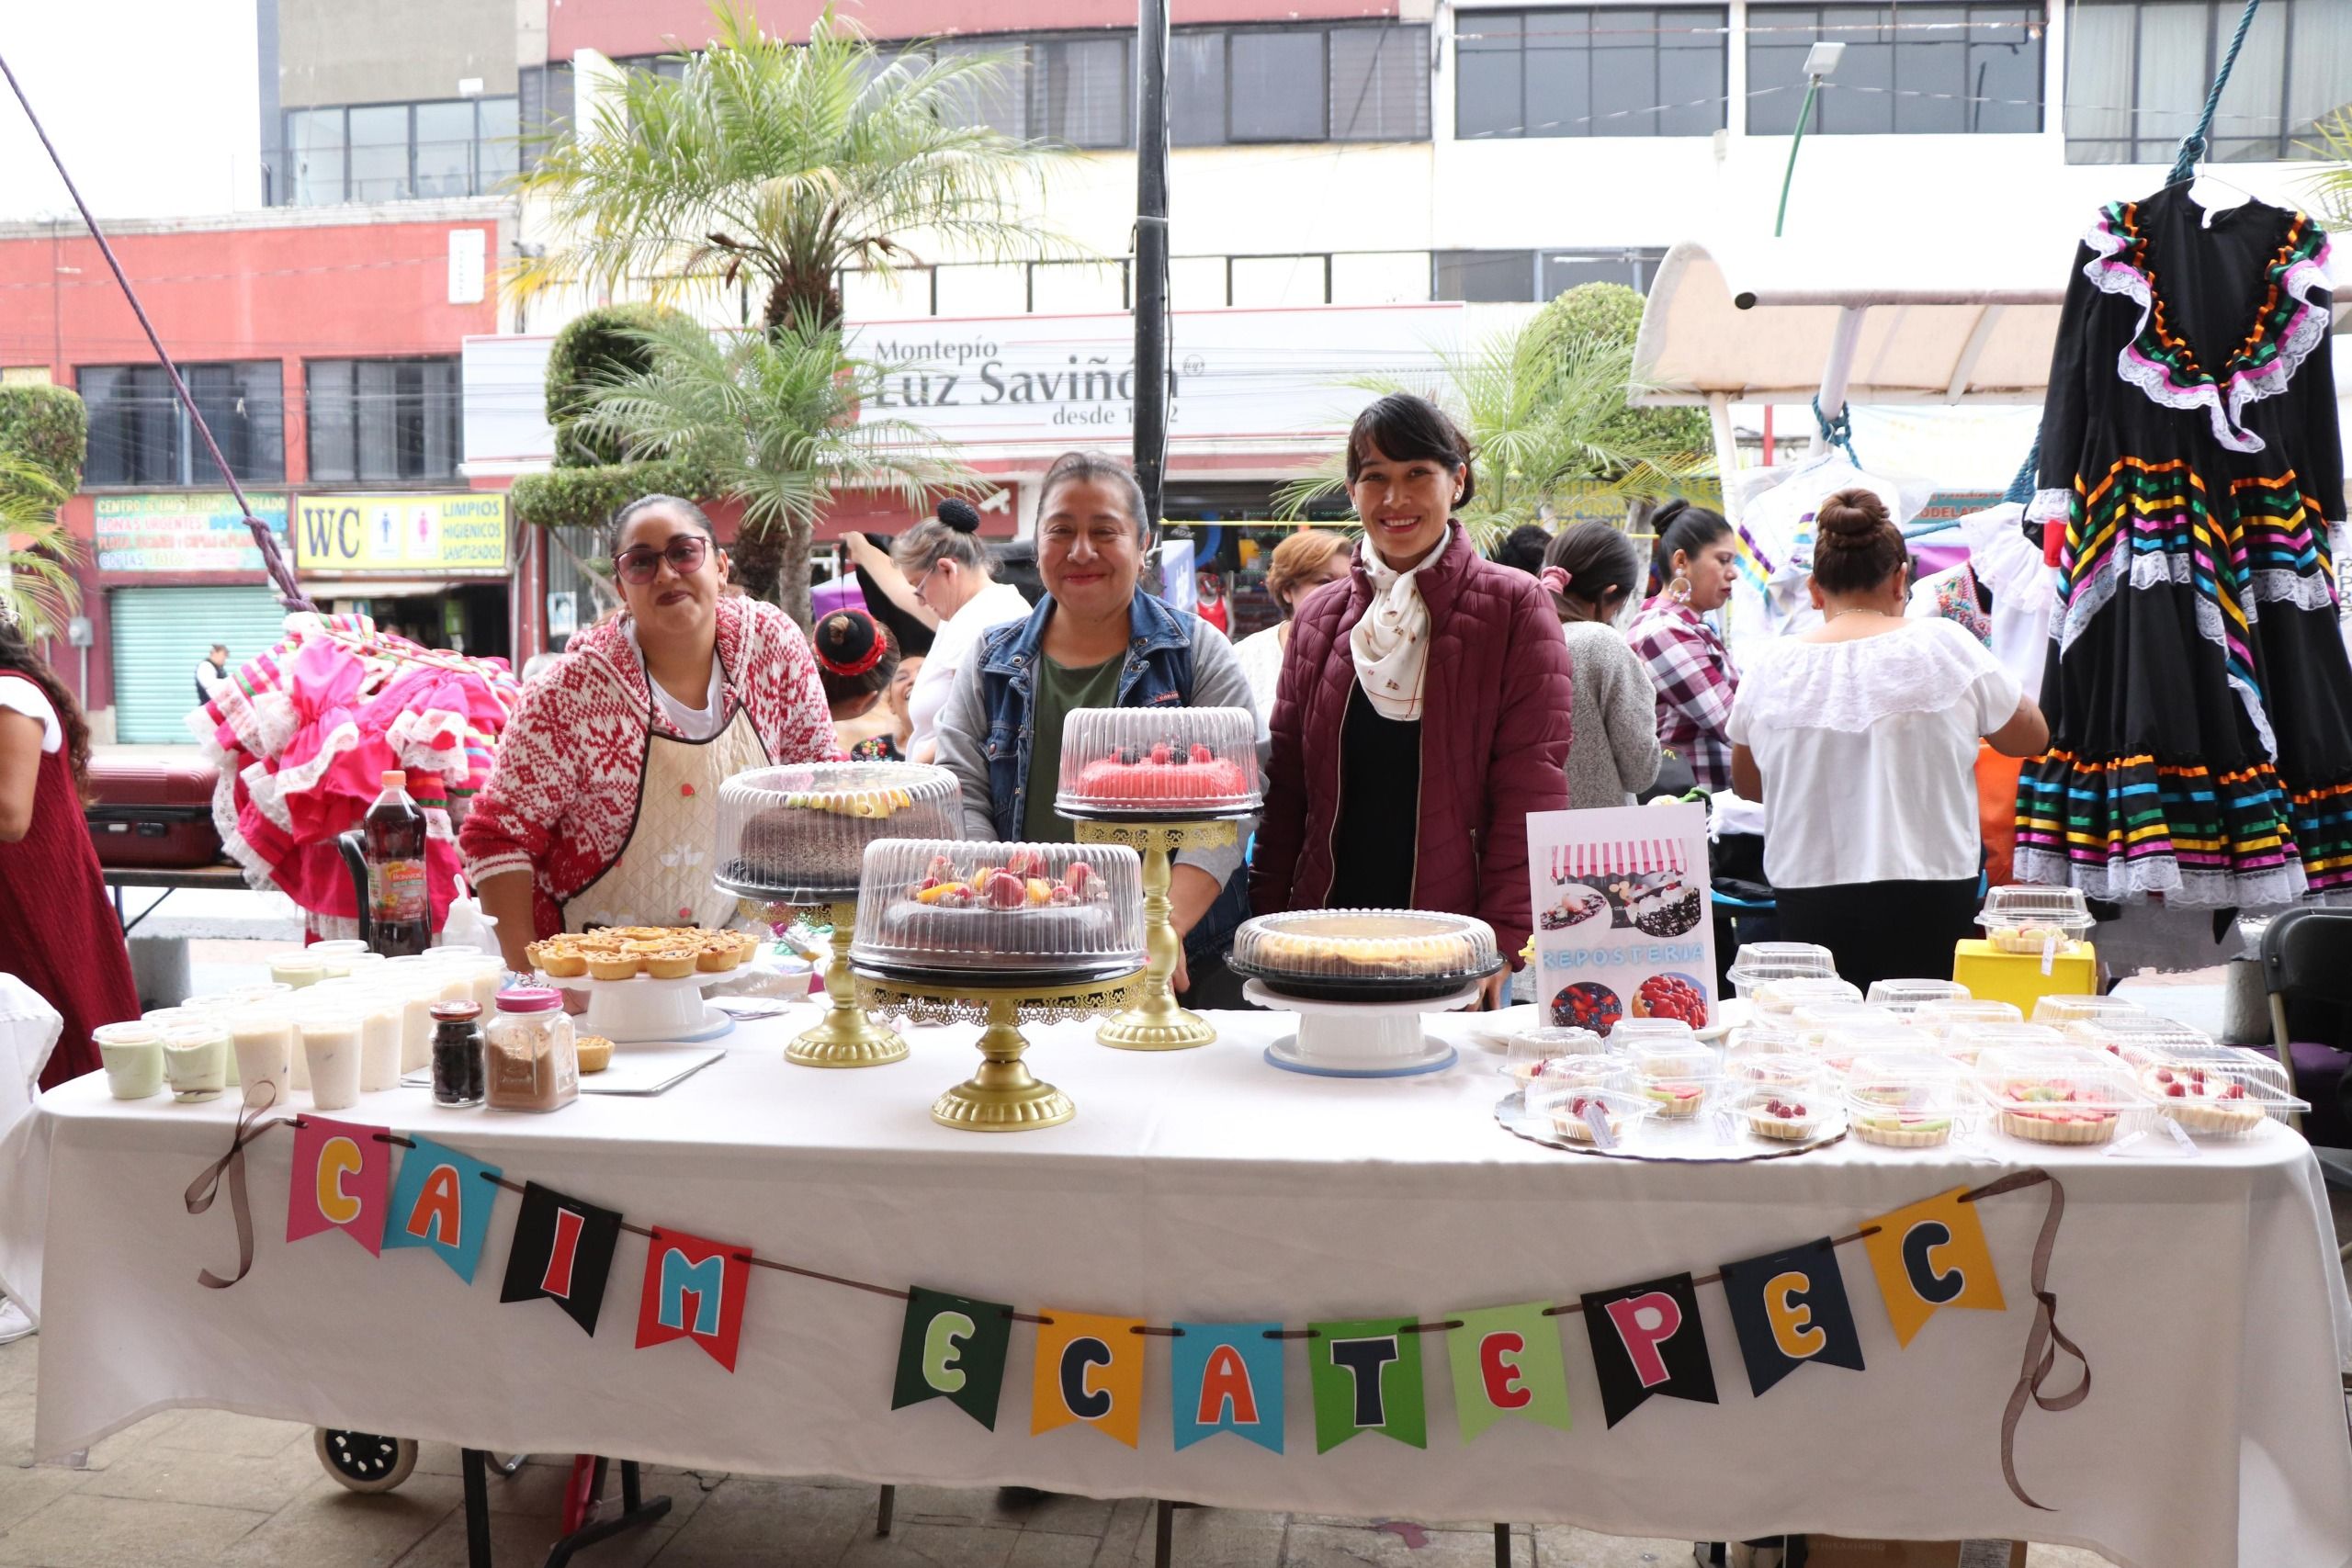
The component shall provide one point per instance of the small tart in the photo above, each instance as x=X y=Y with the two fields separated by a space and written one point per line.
x=1895 y=1131
x=669 y=963
x=595 y=1053
x=610 y=965
x=2059 y=1127
x=561 y=961
x=1676 y=1099
x=1569 y=1123
x=1765 y=1124
x=713 y=958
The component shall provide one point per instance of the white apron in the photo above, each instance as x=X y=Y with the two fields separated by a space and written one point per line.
x=663 y=875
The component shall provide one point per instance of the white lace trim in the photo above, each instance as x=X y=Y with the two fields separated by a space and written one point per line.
x=2050 y=506
x=2304 y=590
x=2150 y=570
x=1851 y=687
x=2306 y=332
x=2122 y=881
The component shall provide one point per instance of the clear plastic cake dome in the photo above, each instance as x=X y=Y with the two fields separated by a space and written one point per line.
x=1160 y=761
x=1070 y=911
x=804 y=828
x=2035 y=920
x=1364 y=954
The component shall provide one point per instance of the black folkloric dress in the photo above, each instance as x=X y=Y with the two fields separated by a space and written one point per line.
x=2199 y=694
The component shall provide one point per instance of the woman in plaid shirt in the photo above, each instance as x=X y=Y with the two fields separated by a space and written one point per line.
x=1692 y=572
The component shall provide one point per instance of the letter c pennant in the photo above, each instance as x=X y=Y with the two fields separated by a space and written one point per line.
x=1929 y=1254
x=1090 y=1369
x=341 y=1171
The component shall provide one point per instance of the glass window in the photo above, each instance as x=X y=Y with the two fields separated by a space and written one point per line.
x=495 y=149
x=384 y=420
x=1591 y=70
x=379 y=152
x=1380 y=84
x=445 y=149
x=313 y=158
x=140 y=435
x=1486 y=276
x=2137 y=72
x=994 y=91
x=1278 y=86
x=1196 y=88
x=543 y=106
x=1908 y=69
x=1077 y=91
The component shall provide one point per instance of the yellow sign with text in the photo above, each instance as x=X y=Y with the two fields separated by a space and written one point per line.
x=455 y=536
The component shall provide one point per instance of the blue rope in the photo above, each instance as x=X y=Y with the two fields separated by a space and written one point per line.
x=2192 y=146
x=1838 y=432
x=2028 y=474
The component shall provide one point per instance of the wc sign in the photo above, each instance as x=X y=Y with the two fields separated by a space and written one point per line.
x=460 y=535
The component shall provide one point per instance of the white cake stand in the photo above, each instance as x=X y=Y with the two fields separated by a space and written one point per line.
x=640 y=1008
x=1359 y=1040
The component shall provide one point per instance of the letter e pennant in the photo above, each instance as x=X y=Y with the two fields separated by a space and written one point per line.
x=694 y=1290
x=1790 y=1308
x=1089 y=1369
x=1646 y=1339
x=953 y=1348
x=1930 y=1255
x=1227 y=1377
x=1507 y=1361
x=340 y=1172
x=1366 y=1375
x=562 y=1251
x=442 y=1202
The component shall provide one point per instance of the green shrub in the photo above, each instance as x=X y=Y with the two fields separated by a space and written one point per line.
x=47 y=427
x=1613 y=313
x=593 y=347
x=587 y=497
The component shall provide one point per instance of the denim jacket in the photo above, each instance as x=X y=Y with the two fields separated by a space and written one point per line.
x=986 y=733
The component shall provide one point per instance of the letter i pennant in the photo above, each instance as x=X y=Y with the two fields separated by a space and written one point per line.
x=562 y=1250
x=340 y=1171
x=953 y=1348
x=1227 y=1377
x=1646 y=1339
x=1507 y=1361
x=694 y=1290
x=1089 y=1369
x=1367 y=1378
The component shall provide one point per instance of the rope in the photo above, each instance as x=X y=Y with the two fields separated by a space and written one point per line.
x=2028 y=477
x=1837 y=429
x=2192 y=146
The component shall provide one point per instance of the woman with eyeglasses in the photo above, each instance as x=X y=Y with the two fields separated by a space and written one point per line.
x=601 y=809
x=947 y=566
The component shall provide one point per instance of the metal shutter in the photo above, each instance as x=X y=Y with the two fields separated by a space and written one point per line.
x=158 y=635
x=1380 y=84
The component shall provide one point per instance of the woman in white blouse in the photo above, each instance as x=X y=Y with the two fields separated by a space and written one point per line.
x=1300 y=565
x=1860 y=738
x=948 y=566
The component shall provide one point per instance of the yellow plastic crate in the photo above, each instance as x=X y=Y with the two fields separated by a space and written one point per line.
x=2016 y=977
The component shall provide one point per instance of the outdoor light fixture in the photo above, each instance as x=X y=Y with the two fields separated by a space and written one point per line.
x=1820 y=61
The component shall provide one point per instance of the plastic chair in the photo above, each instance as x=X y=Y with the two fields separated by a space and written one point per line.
x=2307 y=964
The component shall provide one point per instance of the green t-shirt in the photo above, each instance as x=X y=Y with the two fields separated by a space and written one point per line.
x=1058 y=691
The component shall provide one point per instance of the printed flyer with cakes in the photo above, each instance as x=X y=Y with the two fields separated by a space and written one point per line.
x=1623 y=927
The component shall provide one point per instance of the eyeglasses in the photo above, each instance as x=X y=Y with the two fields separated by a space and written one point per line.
x=686 y=554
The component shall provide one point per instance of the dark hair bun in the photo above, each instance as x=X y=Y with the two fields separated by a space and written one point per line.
x=1852 y=516
x=959 y=514
x=845 y=641
x=1856 y=546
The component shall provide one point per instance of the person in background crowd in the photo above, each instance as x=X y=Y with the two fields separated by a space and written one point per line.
x=947 y=567
x=1858 y=735
x=58 y=932
x=889 y=597
x=1423 y=710
x=857 y=661
x=614 y=757
x=1301 y=564
x=902 y=685
x=1522 y=548
x=1097 y=641
x=1692 y=569
x=212 y=673
x=1590 y=571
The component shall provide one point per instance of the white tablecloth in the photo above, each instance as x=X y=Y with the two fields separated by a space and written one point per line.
x=1206 y=1185
x=30 y=1028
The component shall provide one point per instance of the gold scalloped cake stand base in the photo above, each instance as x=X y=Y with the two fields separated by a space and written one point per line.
x=1003 y=1096
x=1156 y=1021
x=845 y=1036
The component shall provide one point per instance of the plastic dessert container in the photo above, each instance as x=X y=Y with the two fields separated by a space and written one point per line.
x=1171 y=763
x=2060 y=1094
x=1909 y=996
x=1904 y=1099
x=1814 y=1021
x=926 y=906
x=1943 y=1019
x=1774 y=1071
x=1578 y=1114
x=1678 y=1076
x=1780 y=998
x=1789 y=1116
x=2059 y=1011
x=1528 y=1050
x=1579 y=1072
x=2042 y=922
x=1756 y=961
x=1632 y=1032
x=804 y=829
x=1364 y=955
x=1839 y=1049
x=2216 y=1091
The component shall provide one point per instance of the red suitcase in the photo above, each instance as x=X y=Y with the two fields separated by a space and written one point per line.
x=154 y=816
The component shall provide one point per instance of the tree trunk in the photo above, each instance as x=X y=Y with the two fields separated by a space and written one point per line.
x=792 y=586
x=758 y=557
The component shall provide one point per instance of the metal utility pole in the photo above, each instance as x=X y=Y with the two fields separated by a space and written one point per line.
x=1151 y=253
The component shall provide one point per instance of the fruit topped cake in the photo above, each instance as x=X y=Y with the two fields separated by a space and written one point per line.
x=1028 y=907
x=2204 y=1099
x=808 y=826
x=1160 y=761
x=2057 y=1094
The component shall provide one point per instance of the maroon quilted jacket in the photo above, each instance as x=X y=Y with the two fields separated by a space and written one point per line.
x=1494 y=742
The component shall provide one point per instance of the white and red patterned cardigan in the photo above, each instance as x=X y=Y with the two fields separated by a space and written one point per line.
x=562 y=798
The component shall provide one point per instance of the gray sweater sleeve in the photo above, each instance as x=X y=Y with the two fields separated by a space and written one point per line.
x=1629 y=702
x=1219 y=681
x=963 y=749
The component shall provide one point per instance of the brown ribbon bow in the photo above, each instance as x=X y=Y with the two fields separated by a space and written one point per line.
x=2043 y=1343
x=206 y=1186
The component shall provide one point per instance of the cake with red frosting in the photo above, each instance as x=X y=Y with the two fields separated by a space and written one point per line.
x=1159 y=761
x=1160 y=779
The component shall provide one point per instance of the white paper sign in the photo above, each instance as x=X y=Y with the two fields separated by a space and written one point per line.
x=1624 y=927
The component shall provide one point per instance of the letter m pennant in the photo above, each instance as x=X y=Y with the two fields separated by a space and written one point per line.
x=694 y=1290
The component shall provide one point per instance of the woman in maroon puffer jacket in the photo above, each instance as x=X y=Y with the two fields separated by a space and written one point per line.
x=1424 y=706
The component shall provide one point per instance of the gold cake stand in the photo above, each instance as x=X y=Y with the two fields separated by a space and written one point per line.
x=1003 y=1096
x=1157 y=1022
x=845 y=1036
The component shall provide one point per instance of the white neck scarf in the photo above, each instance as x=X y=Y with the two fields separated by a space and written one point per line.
x=1391 y=644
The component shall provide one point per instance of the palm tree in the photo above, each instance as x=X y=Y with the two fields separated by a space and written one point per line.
x=773 y=418
x=2333 y=186
x=38 y=587
x=1543 y=406
x=783 y=164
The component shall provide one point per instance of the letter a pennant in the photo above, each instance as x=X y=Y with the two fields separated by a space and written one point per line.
x=1507 y=1361
x=953 y=1348
x=1090 y=1369
x=562 y=1251
x=1930 y=1255
x=1790 y=1308
x=442 y=1202
x=1647 y=1339
x=1227 y=1377
x=694 y=1290
x=1367 y=1378
x=340 y=1174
